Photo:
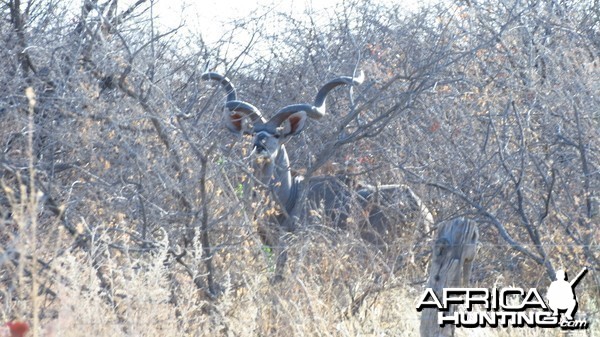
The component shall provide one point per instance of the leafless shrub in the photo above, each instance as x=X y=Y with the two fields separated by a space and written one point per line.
x=121 y=201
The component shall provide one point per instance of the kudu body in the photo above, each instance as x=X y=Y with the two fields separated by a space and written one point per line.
x=384 y=209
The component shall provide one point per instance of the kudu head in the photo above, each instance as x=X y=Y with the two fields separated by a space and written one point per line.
x=269 y=135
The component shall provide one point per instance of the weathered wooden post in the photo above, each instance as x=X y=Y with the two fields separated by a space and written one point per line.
x=451 y=262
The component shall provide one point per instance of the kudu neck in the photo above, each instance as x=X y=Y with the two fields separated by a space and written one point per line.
x=277 y=176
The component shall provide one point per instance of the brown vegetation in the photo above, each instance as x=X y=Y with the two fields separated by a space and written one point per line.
x=122 y=208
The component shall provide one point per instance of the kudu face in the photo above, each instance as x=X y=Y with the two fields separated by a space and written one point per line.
x=268 y=151
x=268 y=139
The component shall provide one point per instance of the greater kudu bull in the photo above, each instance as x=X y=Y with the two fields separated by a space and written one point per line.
x=385 y=209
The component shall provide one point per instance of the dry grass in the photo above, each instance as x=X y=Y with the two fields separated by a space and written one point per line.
x=147 y=297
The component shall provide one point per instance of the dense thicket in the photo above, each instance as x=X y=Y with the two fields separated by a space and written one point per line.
x=487 y=109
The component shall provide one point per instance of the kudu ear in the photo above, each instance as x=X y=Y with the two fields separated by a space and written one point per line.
x=294 y=124
x=234 y=121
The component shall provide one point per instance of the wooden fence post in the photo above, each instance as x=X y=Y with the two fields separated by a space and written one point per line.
x=451 y=262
